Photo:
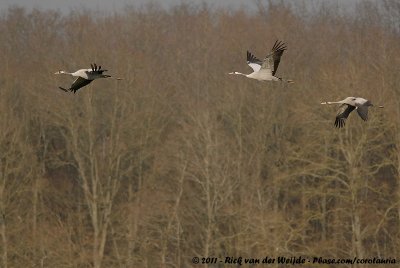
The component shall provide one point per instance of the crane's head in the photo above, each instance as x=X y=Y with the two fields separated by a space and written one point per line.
x=60 y=72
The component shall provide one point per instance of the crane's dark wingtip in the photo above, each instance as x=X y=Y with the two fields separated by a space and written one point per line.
x=279 y=46
x=249 y=56
x=339 y=123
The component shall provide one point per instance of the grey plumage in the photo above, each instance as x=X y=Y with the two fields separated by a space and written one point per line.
x=342 y=114
x=77 y=84
x=264 y=70
x=85 y=77
x=273 y=59
x=348 y=105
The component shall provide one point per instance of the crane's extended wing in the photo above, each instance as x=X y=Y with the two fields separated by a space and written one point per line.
x=342 y=114
x=272 y=60
x=363 y=112
x=77 y=84
x=253 y=62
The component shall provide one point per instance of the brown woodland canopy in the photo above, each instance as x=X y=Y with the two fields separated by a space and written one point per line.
x=180 y=159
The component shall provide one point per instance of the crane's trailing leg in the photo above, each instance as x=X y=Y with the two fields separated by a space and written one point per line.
x=286 y=80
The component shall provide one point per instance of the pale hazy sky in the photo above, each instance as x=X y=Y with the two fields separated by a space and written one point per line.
x=117 y=5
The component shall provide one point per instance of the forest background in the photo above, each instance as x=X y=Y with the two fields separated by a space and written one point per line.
x=180 y=159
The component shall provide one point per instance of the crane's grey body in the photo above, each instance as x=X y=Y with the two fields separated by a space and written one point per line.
x=349 y=104
x=87 y=74
x=265 y=70
x=85 y=77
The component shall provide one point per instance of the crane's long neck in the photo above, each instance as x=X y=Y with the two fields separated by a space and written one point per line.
x=331 y=102
x=237 y=73
x=64 y=72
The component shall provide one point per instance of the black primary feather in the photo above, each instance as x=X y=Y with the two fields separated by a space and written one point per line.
x=277 y=51
x=342 y=114
x=253 y=59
